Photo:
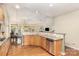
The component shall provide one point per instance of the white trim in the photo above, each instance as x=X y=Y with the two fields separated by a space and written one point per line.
x=73 y=47
x=63 y=53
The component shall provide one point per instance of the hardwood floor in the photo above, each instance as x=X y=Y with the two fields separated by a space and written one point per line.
x=27 y=51
x=71 y=52
x=36 y=51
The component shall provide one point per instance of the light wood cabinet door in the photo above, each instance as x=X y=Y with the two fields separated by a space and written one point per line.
x=1 y=14
x=51 y=47
x=27 y=40
x=57 y=47
x=47 y=44
x=43 y=42
x=32 y=40
x=35 y=40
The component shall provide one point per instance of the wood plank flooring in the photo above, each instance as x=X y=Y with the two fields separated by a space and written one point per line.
x=36 y=51
x=27 y=51
x=71 y=52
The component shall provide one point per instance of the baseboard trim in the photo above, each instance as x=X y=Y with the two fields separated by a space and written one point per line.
x=73 y=47
x=63 y=53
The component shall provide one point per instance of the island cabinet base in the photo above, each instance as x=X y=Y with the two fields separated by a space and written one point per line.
x=57 y=47
x=43 y=42
x=52 y=46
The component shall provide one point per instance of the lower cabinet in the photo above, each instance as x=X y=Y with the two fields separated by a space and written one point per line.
x=43 y=42
x=47 y=45
x=37 y=40
x=4 y=48
x=52 y=46
x=57 y=47
x=51 y=49
x=27 y=40
x=32 y=40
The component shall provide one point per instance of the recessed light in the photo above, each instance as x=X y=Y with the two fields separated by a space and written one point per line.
x=17 y=6
x=50 y=5
x=37 y=12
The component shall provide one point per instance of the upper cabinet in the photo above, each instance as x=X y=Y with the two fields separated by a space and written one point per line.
x=1 y=18
x=1 y=14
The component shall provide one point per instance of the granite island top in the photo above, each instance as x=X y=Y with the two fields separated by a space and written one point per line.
x=52 y=36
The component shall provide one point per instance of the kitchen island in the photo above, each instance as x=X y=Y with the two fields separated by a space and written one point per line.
x=50 y=42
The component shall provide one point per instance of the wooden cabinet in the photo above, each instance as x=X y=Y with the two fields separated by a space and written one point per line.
x=32 y=40
x=1 y=14
x=57 y=47
x=43 y=42
x=47 y=45
x=27 y=40
x=37 y=40
x=52 y=46
x=4 y=48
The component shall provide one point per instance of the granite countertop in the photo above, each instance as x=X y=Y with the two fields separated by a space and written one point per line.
x=52 y=36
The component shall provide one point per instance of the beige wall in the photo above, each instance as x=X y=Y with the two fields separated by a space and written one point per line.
x=69 y=24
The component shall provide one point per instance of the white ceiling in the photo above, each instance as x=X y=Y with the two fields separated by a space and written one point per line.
x=44 y=9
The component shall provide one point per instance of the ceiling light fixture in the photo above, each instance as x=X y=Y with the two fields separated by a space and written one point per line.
x=17 y=6
x=50 y=5
x=37 y=12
